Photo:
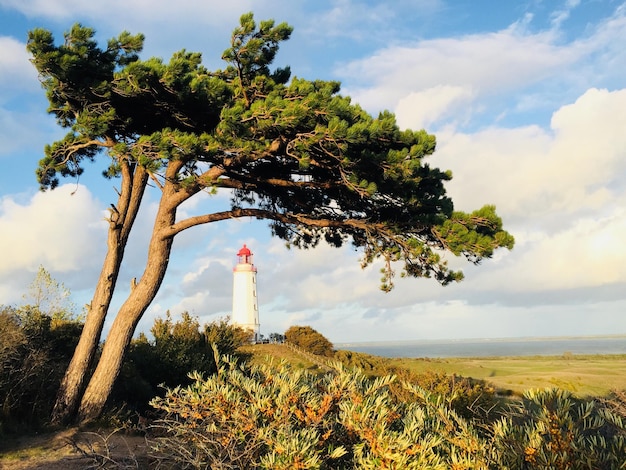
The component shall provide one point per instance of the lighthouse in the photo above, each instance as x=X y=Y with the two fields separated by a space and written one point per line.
x=245 y=305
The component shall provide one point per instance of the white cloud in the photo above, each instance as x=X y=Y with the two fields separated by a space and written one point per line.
x=491 y=65
x=569 y=229
x=23 y=123
x=17 y=72
x=589 y=253
x=58 y=230
x=418 y=110
x=487 y=64
x=168 y=26
x=365 y=21
x=559 y=16
x=530 y=173
x=346 y=18
x=560 y=193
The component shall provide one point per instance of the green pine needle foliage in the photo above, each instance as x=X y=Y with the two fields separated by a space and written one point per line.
x=291 y=151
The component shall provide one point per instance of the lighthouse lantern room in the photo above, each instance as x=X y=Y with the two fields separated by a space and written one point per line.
x=245 y=305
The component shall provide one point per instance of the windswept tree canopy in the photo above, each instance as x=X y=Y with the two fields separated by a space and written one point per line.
x=290 y=150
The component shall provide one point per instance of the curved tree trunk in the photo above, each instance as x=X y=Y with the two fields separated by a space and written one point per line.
x=123 y=327
x=121 y=220
x=72 y=384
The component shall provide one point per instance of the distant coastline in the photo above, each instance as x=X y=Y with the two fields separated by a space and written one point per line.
x=489 y=347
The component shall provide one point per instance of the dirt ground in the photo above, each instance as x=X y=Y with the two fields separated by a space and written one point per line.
x=73 y=450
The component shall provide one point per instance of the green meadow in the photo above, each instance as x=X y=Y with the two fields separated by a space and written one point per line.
x=583 y=375
x=594 y=375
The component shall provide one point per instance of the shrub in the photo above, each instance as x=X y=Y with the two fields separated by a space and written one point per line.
x=616 y=403
x=178 y=348
x=365 y=362
x=310 y=340
x=470 y=398
x=272 y=416
x=34 y=353
x=240 y=417
x=37 y=341
x=552 y=429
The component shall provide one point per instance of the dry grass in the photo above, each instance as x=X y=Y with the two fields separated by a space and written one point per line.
x=261 y=353
x=584 y=375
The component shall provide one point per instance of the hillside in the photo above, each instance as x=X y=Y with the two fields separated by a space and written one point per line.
x=595 y=375
x=75 y=449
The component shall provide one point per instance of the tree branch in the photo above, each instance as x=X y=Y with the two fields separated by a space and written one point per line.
x=70 y=150
x=292 y=219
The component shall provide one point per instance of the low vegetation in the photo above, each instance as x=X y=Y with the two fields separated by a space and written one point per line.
x=274 y=416
x=176 y=349
x=310 y=340
x=37 y=340
x=204 y=397
x=583 y=375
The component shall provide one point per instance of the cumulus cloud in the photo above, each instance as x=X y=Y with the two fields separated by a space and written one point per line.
x=588 y=254
x=57 y=230
x=559 y=192
x=17 y=72
x=531 y=173
x=568 y=231
x=568 y=250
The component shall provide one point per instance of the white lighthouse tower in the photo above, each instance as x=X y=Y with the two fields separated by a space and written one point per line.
x=245 y=305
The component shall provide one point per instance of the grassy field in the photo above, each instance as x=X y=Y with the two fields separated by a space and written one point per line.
x=582 y=375
x=595 y=375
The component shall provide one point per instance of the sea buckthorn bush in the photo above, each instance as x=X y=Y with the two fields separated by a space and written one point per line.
x=262 y=417
x=470 y=398
x=553 y=429
x=272 y=416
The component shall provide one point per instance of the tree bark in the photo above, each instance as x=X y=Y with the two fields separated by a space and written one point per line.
x=121 y=332
x=134 y=180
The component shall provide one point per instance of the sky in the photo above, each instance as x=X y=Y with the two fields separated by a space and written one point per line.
x=528 y=103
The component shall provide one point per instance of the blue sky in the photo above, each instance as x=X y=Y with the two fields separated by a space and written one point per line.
x=528 y=103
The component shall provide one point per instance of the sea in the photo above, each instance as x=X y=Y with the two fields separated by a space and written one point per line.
x=499 y=347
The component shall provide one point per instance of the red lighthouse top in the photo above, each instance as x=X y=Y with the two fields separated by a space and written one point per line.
x=245 y=255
